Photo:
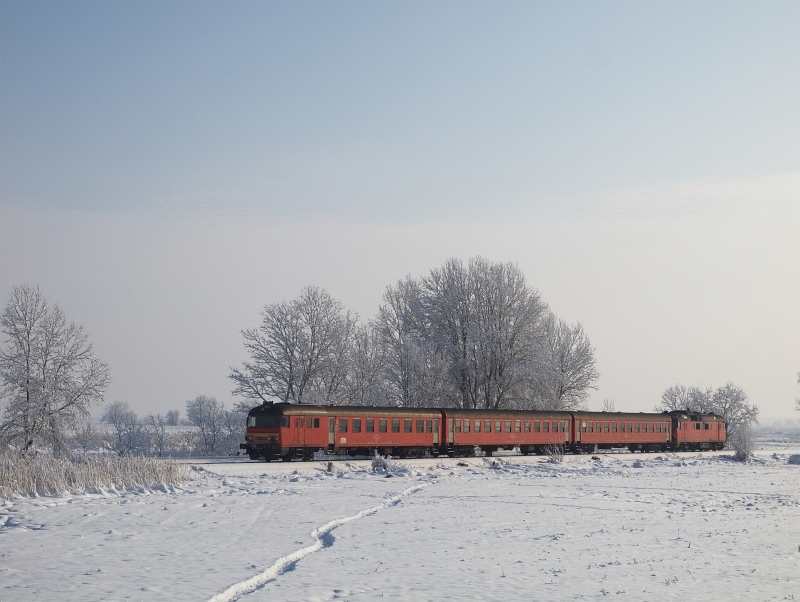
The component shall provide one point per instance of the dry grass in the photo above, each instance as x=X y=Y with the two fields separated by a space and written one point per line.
x=43 y=475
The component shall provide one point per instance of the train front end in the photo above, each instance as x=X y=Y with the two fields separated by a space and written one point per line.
x=263 y=435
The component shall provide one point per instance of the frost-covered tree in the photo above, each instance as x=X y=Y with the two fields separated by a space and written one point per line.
x=49 y=374
x=173 y=418
x=566 y=369
x=728 y=401
x=366 y=365
x=295 y=349
x=159 y=439
x=128 y=436
x=206 y=413
x=485 y=321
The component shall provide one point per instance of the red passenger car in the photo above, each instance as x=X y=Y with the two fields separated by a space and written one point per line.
x=606 y=430
x=497 y=429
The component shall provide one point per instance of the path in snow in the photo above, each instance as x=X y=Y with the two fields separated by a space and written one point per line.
x=323 y=539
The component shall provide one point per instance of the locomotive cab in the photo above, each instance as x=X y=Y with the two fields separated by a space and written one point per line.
x=697 y=431
x=263 y=435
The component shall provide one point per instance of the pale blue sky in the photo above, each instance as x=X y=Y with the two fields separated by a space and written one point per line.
x=639 y=160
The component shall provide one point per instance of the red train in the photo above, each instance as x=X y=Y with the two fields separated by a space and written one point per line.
x=290 y=431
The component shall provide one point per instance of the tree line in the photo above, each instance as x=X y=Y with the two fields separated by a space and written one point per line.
x=467 y=335
x=50 y=379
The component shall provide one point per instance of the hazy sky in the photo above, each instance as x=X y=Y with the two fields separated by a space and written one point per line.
x=166 y=169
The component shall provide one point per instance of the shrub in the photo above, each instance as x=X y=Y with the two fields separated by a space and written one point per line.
x=742 y=443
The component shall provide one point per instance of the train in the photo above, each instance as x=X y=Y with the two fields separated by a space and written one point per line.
x=298 y=431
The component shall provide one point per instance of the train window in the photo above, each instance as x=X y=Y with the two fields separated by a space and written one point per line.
x=331 y=425
x=590 y=427
x=295 y=423
x=356 y=425
x=343 y=425
x=517 y=426
x=651 y=427
x=407 y=426
x=395 y=426
x=535 y=426
x=316 y=423
x=563 y=426
x=251 y=421
x=613 y=427
x=381 y=426
x=527 y=426
x=508 y=426
x=630 y=427
x=477 y=426
x=636 y=426
x=545 y=426
x=309 y=422
x=605 y=426
x=658 y=427
x=370 y=425
x=436 y=425
x=497 y=428
x=429 y=426
x=285 y=422
x=487 y=426
x=458 y=426
x=466 y=426
x=621 y=427
x=707 y=425
x=420 y=426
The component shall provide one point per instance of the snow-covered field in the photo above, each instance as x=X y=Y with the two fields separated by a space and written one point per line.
x=636 y=527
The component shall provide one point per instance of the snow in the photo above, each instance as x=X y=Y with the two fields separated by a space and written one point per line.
x=630 y=526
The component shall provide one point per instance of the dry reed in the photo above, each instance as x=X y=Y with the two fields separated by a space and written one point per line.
x=44 y=475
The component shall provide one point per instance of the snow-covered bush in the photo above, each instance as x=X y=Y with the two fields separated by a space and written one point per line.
x=383 y=464
x=30 y=475
x=742 y=443
x=554 y=453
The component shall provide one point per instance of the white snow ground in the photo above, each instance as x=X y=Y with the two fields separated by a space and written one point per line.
x=680 y=527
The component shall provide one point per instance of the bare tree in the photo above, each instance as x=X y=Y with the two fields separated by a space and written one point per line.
x=129 y=436
x=50 y=377
x=728 y=401
x=364 y=382
x=295 y=344
x=414 y=374
x=608 y=405
x=173 y=418
x=206 y=413
x=566 y=368
x=158 y=433
x=486 y=322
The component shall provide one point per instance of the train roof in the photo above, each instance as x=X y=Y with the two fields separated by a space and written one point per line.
x=687 y=415
x=304 y=409
x=512 y=414
x=649 y=416
x=625 y=416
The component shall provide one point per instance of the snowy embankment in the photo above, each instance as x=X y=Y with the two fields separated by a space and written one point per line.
x=675 y=527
